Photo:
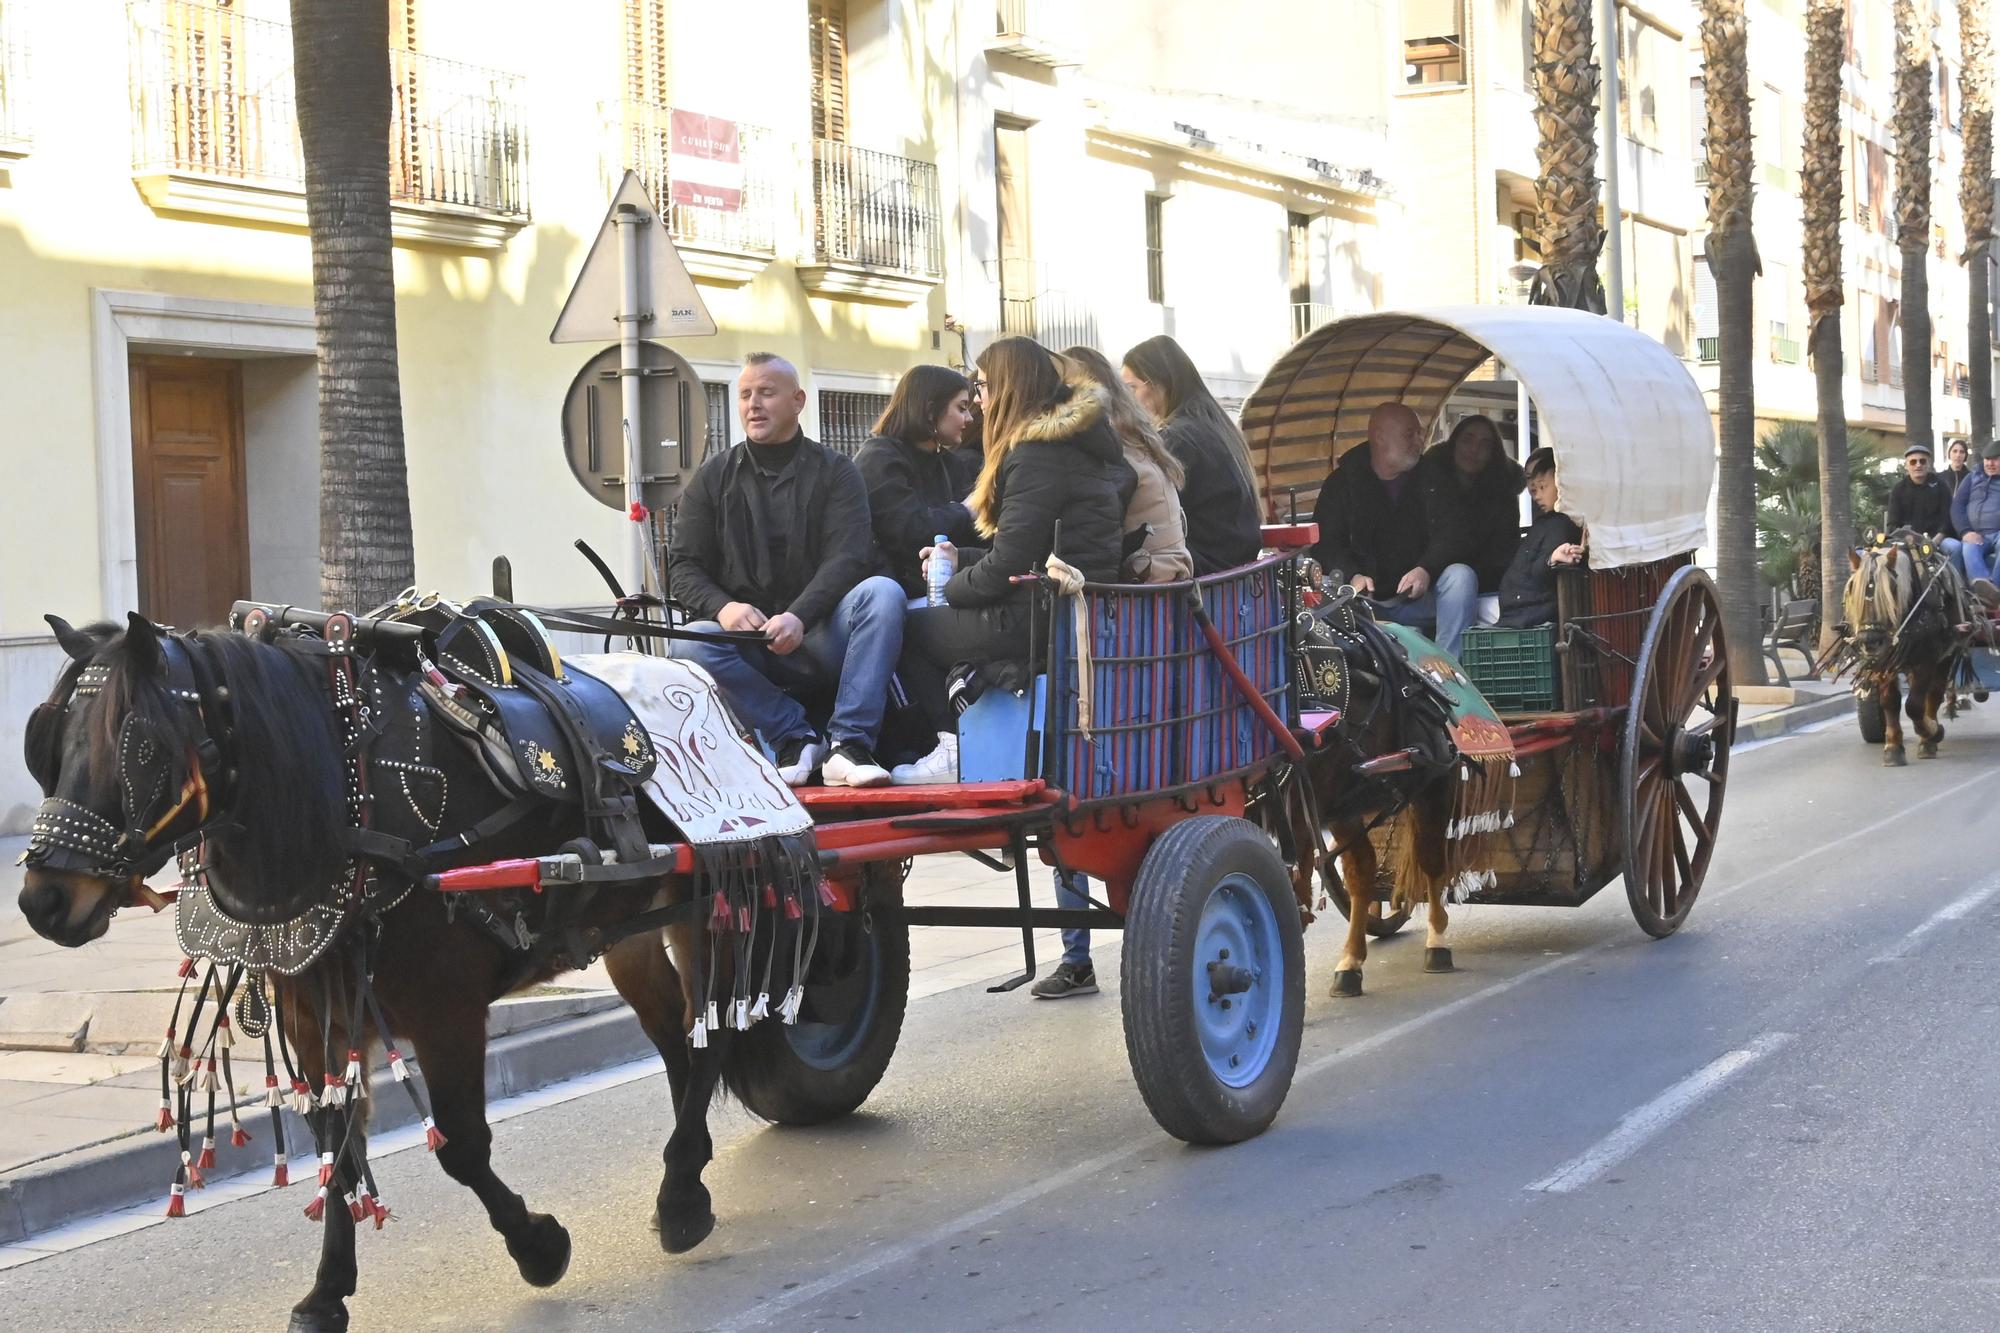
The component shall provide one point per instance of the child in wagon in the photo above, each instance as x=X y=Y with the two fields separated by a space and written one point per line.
x=1528 y=589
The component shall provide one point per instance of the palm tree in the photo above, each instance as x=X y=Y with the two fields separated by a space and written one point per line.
x=1791 y=490
x=1913 y=212
x=1825 y=53
x=340 y=54
x=1566 y=81
x=1732 y=259
x=1975 y=197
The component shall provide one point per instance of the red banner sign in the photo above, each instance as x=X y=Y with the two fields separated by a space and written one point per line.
x=707 y=164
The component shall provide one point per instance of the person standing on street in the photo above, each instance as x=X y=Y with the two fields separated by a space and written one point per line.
x=774 y=536
x=1220 y=494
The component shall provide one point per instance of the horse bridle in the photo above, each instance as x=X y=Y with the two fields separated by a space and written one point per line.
x=67 y=835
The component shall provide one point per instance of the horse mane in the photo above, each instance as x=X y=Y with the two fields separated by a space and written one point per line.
x=1881 y=588
x=285 y=805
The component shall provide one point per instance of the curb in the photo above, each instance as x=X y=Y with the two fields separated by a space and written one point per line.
x=1799 y=716
x=136 y=1167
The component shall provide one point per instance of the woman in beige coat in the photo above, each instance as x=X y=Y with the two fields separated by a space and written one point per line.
x=1155 y=528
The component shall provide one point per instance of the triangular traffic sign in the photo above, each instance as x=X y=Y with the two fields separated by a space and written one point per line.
x=669 y=304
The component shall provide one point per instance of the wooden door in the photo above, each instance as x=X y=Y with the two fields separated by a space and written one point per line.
x=1019 y=284
x=187 y=488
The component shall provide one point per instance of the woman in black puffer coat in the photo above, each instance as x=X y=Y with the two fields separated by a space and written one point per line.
x=1224 y=527
x=1055 y=481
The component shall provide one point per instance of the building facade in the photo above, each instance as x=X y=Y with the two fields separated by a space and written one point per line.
x=912 y=179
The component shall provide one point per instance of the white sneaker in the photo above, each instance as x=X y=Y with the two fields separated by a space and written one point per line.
x=798 y=757
x=852 y=765
x=940 y=765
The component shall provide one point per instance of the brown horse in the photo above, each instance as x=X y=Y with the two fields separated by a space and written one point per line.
x=230 y=745
x=1903 y=604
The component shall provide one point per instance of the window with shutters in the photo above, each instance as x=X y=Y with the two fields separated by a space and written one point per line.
x=647 y=66
x=1433 y=44
x=719 y=409
x=828 y=49
x=1893 y=336
x=1156 y=249
x=1707 y=321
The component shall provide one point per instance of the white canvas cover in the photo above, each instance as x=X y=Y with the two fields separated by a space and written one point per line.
x=1635 y=449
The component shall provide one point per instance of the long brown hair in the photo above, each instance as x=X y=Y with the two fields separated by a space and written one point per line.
x=1023 y=381
x=921 y=397
x=1135 y=429
x=1162 y=363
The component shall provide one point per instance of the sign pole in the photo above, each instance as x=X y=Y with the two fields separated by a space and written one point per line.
x=630 y=221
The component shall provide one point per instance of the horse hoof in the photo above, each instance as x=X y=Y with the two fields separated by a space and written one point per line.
x=1347 y=983
x=1437 y=960
x=1928 y=750
x=685 y=1223
x=540 y=1250
x=1895 y=758
x=318 y=1319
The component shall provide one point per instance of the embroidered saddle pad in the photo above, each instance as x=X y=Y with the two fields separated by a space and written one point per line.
x=1475 y=728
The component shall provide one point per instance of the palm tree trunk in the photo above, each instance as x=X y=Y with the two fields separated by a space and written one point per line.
x=1566 y=79
x=1975 y=197
x=1825 y=53
x=341 y=69
x=1732 y=260
x=1913 y=214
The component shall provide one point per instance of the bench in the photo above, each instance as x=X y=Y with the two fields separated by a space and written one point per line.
x=1789 y=629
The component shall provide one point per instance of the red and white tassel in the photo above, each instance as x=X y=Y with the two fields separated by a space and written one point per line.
x=281 y=1171
x=355 y=1208
x=302 y=1097
x=165 y=1121
x=167 y=1046
x=223 y=1034
x=176 y=1200
x=379 y=1212
x=186 y=968
x=206 y=1161
x=325 y=1168
x=239 y=1137
x=274 y=1096
x=335 y=1092
x=352 y=1078
x=208 y=1080
x=433 y=1136
x=316 y=1210
x=397 y=1069
x=194 y=1180
x=182 y=1063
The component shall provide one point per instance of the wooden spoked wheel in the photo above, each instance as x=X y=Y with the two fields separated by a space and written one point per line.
x=1674 y=766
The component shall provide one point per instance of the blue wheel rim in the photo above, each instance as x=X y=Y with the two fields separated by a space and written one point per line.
x=1236 y=942
x=829 y=1046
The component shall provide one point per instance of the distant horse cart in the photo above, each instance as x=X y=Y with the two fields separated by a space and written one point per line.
x=386 y=822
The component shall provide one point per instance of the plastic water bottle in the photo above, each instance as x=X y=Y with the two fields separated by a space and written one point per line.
x=941 y=569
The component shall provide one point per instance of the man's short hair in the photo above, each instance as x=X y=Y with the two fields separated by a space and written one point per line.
x=772 y=359
x=1540 y=461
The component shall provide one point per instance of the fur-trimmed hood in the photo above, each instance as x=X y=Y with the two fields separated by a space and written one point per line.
x=1079 y=419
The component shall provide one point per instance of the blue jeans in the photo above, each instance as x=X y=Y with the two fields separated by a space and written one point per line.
x=1444 y=611
x=855 y=649
x=1980 y=558
x=1073 y=890
x=1954 y=551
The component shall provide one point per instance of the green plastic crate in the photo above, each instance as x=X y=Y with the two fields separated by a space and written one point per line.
x=1514 y=668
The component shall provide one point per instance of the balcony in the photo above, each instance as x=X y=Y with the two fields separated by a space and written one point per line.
x=1055 y=319
x=1708 y=351
x=1021 y=29
x=1784 y=351
x=721 y=211
x=1895 y=375
x=1871 y=372
x=1309 y=315
x=878 y=230
x=215 y=130
x=15 y=139
x=1965 y=387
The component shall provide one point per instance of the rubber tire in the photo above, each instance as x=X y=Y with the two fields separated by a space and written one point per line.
x=1157 y=967
x=1868 y=712
x=1379 y=927
x=766 y=1073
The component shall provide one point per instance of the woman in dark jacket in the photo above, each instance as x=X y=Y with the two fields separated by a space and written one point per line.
x=1528 y=589
x=1054 y=469
x=1488 y=485
x=1220 y=496
x=915 y=484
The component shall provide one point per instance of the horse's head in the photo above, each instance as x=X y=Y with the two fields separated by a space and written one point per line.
x=142 y=749
x=1883 y=581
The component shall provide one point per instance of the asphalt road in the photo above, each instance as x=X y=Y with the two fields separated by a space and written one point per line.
x=1784 y=1117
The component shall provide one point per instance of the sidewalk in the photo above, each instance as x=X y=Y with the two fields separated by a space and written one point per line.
x=79 y=1028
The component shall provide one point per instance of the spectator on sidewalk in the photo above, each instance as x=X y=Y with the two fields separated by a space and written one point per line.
x=1975 y=513
x=1394 y=531
x=774 y=536
x=1219 y=498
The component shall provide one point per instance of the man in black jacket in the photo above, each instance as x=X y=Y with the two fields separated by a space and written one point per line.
x=774 y=536
x=1920 y=501
x=1394 y=530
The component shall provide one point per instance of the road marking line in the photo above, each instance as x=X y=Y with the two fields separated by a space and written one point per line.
x=1642 y=1124
x=1951 y=911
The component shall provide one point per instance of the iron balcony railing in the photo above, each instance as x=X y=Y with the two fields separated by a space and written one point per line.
x=1871 y=372
x=1309 y=315
x=1785 y=351
x=641 y=136
x=876 y=209
x=1895 y=375
x=212 y=96
x=1708 y=351
x=15 y=136
x=1054 y=319
x=1965 y=386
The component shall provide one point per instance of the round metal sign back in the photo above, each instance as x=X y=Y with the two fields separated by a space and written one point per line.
x=674 y=415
